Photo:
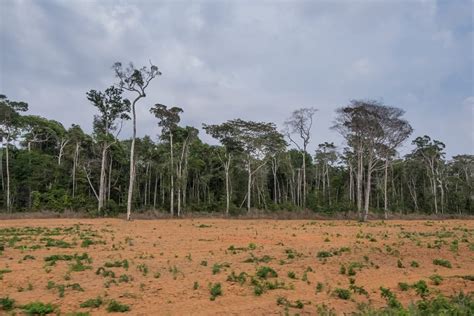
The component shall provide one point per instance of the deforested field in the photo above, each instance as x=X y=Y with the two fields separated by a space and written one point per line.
x=245 y=267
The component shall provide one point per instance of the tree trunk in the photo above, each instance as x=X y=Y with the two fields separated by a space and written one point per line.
x=367 y=191
x=7 y=169
x=249 y=185
x=155 y=191
x=303 y=202
x=102 y=179
x=227 y=186
x=385 y=196
x=172 y=176
x=74 y=168
x=360 y=167
x=132 y=163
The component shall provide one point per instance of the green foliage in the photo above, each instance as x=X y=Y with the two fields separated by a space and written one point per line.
x=343 y=294
x=265 y=272
x=442 y=262
x=92 y=303
x=38 y=308
x=215 y=290
x=116 y=307
x=6 y=303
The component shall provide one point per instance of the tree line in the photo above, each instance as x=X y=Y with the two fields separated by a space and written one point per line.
x=256 y=165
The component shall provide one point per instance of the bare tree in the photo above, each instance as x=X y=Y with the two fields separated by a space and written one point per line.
x=300 y=123
x=136 y=81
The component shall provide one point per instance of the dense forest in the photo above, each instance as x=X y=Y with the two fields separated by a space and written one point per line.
x=257 y=165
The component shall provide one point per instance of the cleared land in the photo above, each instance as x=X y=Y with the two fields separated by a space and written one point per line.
x=205 y=266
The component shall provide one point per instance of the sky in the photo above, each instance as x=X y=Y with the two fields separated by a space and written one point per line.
x=249 y=59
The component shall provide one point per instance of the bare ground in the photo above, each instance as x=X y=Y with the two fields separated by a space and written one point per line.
x=167 y=257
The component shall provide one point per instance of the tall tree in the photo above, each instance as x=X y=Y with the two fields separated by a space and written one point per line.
x=258 y=141
x=226 y=133
x=168 y=121
x=111 y=107
x=300 y=123
x=136 y=81
x=431 y=152
x=10 y=125
x=369 y=128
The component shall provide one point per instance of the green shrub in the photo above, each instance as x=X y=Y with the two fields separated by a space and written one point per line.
x=115 y=307
x=6 y=303
x=266 y=272
x=343 y=294
x=38 y=308
x=442 y=262
x=215 y=290
x=436 y=278
x=92 y=303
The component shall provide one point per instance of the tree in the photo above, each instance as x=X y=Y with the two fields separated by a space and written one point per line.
x=258 y=141
x=168 y=121
x=227 y=134
x=10 y=124
x=431 y=153
x=396 y=130
x=370 y=129
x=300 y=123
x=134 y=80
x=111 y=106
x=325 y=156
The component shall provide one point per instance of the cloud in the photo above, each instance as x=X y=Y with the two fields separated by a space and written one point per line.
x=256 y=60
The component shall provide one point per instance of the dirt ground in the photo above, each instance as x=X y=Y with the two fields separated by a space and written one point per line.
x=172 y=264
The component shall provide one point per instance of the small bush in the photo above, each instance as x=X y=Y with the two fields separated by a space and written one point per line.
x=442 y=262
x=343 y=294
x=92 y=303
x=266 y=272
x=6 y=303
x=116 y=307
x=38 y=308
x=215 y=290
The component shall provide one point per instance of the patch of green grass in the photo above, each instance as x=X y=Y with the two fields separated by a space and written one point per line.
x=437 y=279
x=442 y=262
x=287 y=303
x=116 y=307
x=6 y=303
x=324 y=254
x=265 y=272
x=117 y=264
x=291 y=275
x=38 y=308
x=92 y=303
x=414 y=264
x=391 y=298
x=215 y=290
x=343 y=294
x=216 y=268
x=240 y=278
x=403 y=286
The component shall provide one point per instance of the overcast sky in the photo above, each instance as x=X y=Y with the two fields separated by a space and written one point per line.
x=255 y=60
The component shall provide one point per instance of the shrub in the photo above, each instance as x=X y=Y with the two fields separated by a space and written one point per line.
x=343 y=294
x=6 y=303
x=215 y=290
x=442 y=262
x=266 y=272
x=115 y=307
x=92 y=303
x=38 y=308
x=436 y=278
x=324 y=254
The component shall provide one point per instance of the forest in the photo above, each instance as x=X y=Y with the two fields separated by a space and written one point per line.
x=255 y=166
